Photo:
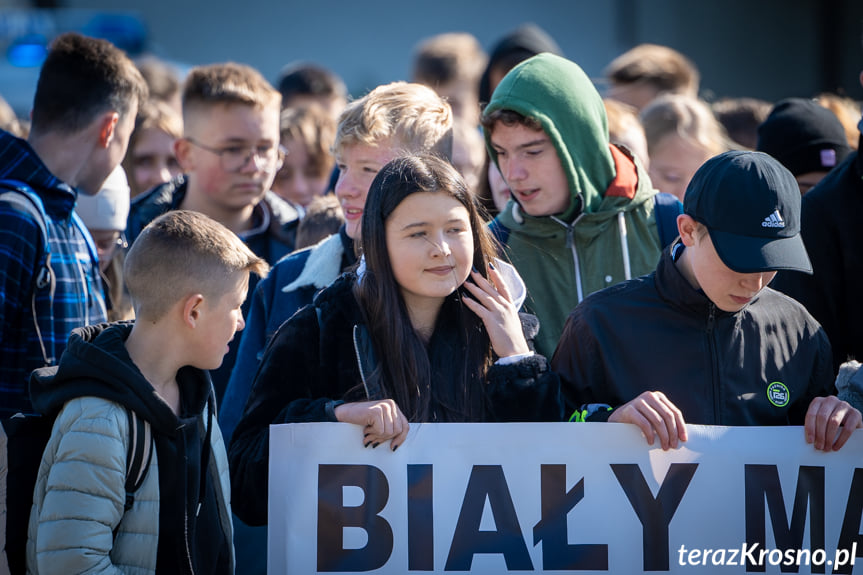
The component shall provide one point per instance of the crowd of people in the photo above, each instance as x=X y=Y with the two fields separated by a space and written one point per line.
x=185 y=262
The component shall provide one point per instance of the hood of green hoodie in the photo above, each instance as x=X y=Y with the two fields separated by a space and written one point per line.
x=558 y=94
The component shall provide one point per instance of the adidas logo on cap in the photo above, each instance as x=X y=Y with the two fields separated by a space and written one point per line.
x=774 y=220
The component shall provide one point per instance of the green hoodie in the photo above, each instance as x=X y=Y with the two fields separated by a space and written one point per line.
x=565 y=257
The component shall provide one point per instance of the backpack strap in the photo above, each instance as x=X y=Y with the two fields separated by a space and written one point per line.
x=667 y=208
x=27 y=200
x=499 y=231
x=85 y=233
x=138 y=456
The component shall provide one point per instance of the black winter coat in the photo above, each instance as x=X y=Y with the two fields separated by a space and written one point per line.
x=831 y=229
x=312 y=365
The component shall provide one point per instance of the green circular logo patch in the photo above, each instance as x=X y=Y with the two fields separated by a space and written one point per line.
x=778 y=394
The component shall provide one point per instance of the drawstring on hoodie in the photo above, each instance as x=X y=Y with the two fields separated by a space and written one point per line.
x=624 y=245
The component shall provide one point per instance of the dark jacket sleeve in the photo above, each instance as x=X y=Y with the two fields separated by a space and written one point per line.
x=284 y=391
x=524 y=391
x=578 y=362
x=821 y=380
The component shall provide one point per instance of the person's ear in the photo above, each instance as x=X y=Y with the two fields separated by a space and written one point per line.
x=107 y=128
x=688 y=229
x=192 y=309
x=183 y=153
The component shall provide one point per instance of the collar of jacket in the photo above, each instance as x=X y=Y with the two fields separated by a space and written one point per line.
x=323 y=265
x=676 y=290
x=19 y=162
x=272 y=216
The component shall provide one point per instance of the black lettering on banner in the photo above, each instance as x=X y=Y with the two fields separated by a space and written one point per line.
x=850 y=533
x=333 y=517
x=488 y=482
x=557 y=553
x=655 y=514
x=762 y=483
x=420 y=518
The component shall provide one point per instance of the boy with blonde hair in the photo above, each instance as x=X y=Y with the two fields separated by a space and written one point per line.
x=230 y=154
x=188 y=277
x=393 y=118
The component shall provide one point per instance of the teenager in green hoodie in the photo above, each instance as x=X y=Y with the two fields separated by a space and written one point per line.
x=581 y=217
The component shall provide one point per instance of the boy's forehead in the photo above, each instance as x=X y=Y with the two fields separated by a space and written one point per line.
x=383 y=151
x=514 y=135
x=220 y=117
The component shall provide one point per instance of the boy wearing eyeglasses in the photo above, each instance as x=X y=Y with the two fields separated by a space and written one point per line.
x=229 y=154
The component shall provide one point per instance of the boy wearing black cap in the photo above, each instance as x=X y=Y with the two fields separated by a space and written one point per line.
x=702 y=335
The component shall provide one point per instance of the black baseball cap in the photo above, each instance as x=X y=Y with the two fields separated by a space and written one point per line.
x=750 y=204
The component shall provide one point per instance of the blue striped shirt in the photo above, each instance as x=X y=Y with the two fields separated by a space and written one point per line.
x=78 y=298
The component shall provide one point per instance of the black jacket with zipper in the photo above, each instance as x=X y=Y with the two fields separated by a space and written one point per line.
x=312 y=364
x=762 y=365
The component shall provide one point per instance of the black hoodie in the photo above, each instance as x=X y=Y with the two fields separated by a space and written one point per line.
x=96 y=363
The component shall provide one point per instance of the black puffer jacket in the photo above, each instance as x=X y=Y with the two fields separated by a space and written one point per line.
x=762 y=365
x=307 y=370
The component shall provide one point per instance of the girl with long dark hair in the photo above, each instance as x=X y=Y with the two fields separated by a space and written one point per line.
x=425 y=330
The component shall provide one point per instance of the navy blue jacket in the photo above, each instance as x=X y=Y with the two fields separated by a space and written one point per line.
x=291 y=285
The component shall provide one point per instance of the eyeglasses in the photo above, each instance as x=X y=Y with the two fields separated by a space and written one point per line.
x=235 y=158
x=110 y=243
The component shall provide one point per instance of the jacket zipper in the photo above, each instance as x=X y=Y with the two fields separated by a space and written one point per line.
x=359 y=362
x=186 y=533
x=188 y=547
x=570 y=243
x=714 y=359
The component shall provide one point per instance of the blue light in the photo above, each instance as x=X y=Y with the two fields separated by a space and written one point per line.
x=27 y=51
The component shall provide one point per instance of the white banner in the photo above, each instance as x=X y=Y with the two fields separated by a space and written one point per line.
x=558 y=498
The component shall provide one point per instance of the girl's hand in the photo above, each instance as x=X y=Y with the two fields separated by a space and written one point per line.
x=381 y=420
x=492 y=302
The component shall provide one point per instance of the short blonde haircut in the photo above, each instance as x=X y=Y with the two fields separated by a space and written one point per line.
x=687 y=117
x=315 y=129
x=411 y=117
x=662 y=67
x=228 y=83
x=447 y=58
x=181 y=253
